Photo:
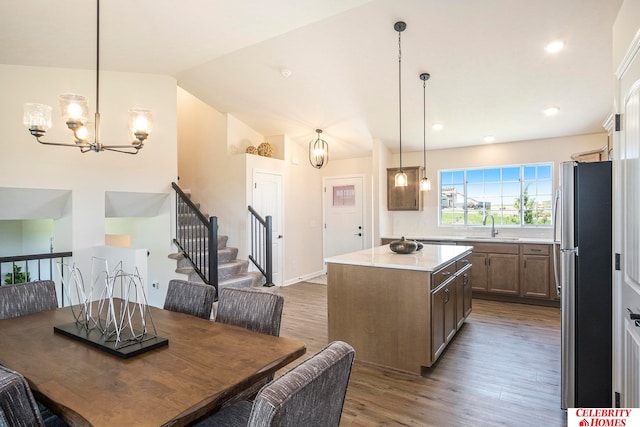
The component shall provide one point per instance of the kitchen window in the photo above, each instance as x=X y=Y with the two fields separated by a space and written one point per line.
x=519 y=195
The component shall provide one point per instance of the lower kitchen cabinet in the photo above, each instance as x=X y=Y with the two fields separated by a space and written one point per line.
x=443 y=317
x=503 y=274
x=536 y=271
x=463 y=296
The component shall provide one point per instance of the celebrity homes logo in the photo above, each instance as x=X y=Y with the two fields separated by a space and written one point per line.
x=603 y=417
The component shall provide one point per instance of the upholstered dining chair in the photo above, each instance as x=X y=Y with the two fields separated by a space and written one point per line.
x=17 y=405
x=22 y=299
x=190 y=297
x=311 y=394
x=252 y=309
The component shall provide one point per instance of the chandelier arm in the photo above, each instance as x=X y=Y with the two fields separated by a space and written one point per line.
x=125 y=149
x=61 y=144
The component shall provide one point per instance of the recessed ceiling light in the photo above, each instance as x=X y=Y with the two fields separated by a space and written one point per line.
x=551 y=111
x=437 y=126
x=554 y=46
x=489 y=139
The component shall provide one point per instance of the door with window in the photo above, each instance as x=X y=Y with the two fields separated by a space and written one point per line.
x=343 y=202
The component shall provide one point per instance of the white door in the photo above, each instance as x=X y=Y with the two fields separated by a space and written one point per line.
x=343 y=202
x=268 y=201
x=627 y=234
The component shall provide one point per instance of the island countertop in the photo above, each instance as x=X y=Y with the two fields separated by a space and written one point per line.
x=429 y=258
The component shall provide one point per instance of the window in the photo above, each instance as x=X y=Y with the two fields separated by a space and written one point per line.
x=515 y=195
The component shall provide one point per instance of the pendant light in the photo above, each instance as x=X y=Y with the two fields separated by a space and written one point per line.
x=318 y=151
x=425 y=184
x=401 y=177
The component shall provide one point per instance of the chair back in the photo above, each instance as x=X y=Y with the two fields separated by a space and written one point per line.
x=22 y=299
x=17 y=405
x=190 y=297
x=311 y=394
x=252 y=309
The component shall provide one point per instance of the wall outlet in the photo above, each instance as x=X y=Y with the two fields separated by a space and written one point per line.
x=155 y=285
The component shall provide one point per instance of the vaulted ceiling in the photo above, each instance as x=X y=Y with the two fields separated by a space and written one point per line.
x=490 y=74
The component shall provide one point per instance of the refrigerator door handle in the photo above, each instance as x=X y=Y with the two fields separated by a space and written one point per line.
x=556 y=272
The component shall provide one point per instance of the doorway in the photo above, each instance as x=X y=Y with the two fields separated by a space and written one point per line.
x=267 y=200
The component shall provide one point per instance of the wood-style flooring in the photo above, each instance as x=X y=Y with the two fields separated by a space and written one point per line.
x=501 y=369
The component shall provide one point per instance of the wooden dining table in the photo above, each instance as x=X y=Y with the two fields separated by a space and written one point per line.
x=204 y=364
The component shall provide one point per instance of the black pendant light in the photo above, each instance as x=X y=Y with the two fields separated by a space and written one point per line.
x=318 y=151
x=401 y=177
x=425 y=184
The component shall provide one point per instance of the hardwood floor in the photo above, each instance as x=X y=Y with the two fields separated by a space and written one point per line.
x=502 y=368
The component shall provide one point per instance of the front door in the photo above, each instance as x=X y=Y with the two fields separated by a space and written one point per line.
x=343 y=202
x=268 y=200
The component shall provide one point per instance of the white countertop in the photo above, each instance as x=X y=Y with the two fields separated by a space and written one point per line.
x=497 y=239
x=429 y=258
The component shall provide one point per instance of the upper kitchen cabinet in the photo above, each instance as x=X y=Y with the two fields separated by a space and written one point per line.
x=407 y=198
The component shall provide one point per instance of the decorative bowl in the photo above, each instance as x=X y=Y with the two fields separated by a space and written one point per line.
x=404 y=246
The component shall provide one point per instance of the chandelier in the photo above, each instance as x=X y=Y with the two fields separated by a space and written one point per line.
x=318 y=151
x=75 y=112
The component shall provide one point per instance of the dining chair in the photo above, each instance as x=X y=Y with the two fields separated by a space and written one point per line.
x=253 y=309
x=22 y=299
x=17 y=404
x=311 y=394
x=190 y=297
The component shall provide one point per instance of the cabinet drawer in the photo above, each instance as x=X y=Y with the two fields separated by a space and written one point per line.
x=463 y=262
x=440 y=276
x=535 y=249
x=496 y=248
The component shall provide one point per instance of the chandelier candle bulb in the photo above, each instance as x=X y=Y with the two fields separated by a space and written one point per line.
x=74 y=109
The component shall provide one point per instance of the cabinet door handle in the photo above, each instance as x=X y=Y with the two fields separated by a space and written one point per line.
x=446 y=273
x=465 y=279
x=536 y=250
x=464 y=261
x=447 y=296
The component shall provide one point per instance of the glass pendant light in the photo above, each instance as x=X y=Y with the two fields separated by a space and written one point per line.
x=401 y=177
x=425 y=184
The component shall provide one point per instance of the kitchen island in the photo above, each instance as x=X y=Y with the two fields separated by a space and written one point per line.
x=399 y=310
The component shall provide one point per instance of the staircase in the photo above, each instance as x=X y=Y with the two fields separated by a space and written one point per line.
x=232 y=272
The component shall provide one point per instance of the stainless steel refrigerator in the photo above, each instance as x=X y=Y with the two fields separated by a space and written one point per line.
x=585 y=283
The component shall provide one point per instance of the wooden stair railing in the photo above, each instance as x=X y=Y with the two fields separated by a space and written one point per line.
x=197 y=237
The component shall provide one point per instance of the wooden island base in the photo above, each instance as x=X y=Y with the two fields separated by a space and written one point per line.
x=402 y=317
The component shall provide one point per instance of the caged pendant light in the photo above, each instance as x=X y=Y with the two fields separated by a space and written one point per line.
x=318 y=151
x=425 y=184
x=75 y=112
x=401 y=177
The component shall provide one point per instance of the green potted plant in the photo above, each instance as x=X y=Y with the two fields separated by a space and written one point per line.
x=18 y=276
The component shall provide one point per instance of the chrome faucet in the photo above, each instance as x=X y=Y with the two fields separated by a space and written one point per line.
x=493 y=225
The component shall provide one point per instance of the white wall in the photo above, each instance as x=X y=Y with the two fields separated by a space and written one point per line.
x=29 y=165
x=425 y=222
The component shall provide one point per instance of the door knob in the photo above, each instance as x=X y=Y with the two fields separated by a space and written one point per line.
x=279 y=236
x=358 y=234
